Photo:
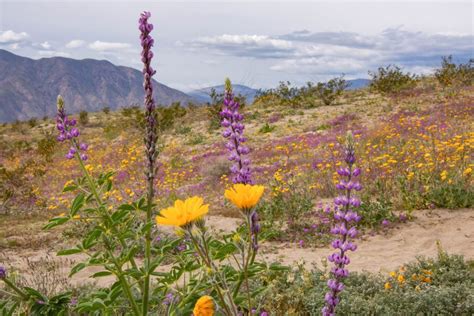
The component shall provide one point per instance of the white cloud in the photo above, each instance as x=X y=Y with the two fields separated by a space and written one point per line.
x=45 y=45
x=262 y=46
x=8 y=37
x=53 y=53
x=75 y=43
x=108 y=46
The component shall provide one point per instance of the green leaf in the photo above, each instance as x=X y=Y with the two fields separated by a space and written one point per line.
x=78 y=267
x=34 y=293
x=127 y=207
x=101 y=274
x=69 y=188
x=67 y=252
x=91 y=239
x=56 y=221
x=77 y=204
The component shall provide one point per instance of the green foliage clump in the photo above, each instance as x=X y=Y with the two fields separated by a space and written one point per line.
x=47 y=145
x=267 y=128
x=441 y=286
x=452 y=75
x=391 y=80
x=106 y=110
x=329 y=91
x=32 y=122
x=83 y=117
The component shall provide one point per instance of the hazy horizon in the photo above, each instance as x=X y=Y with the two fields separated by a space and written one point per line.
x=257 y=44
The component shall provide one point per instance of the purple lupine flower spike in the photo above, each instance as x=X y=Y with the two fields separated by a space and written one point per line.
x=3 y=272
x=151 y=136
x=234 y=129
x=68 y=132
x=346 y=219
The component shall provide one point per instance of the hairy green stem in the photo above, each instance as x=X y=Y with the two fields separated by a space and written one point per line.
x=16 y=289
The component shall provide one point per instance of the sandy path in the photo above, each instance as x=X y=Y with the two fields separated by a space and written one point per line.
x=454 y=229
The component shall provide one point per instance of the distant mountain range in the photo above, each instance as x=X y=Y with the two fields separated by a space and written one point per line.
x=28 y=87
x=203 y=95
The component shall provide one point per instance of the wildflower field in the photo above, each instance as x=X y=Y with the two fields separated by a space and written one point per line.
x=161 y=212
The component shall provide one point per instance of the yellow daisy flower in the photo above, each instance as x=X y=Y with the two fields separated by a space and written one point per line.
x=244 y=196
x=183 y=212
x=204 y=306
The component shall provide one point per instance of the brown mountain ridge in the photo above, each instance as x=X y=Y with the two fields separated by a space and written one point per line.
x=28 y=87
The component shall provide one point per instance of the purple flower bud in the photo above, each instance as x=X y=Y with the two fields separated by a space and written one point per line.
x=83 y=157
x=356 y=172
x=3 y=272
x=69 y=155
x=61 y=137
x=83 y=146
x=75 y=132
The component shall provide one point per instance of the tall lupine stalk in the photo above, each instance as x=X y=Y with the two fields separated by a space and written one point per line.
x=241 y=173
x=234 y=130
x=69 y=133
x=346 y=219
x=150 y=141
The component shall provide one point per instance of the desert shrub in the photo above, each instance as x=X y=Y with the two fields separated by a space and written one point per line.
x=167 y=116
x=129 y=111
x=329 y=91
x=32 y=122
x=83 y=117
x=267 y=128
x=391 y=80
x=106 y=110
x=441 y=286
x=196 y=139
x=457 y=194
x=47 y=145
x=451 y=75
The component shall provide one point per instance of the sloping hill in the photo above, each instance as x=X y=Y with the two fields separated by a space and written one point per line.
x=28 y=87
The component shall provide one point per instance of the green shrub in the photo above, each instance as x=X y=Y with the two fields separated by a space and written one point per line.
x=47 y=145
x=32 y=122
x=267 y=128
x=106 y=110
x=83 y=117
x=450 y=74
x=391 y=80
x=441 y=286
x=329 y=91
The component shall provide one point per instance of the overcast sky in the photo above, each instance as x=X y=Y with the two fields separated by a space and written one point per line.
x=257 y=43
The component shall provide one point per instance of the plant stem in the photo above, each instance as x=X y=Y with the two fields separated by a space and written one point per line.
x=208 y=262
x=100 y=204
x=146 y=288
x=16 y=289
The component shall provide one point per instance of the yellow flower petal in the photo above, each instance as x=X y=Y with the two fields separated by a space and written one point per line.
x=183 y=212
x=204 y=306
x=244 y=196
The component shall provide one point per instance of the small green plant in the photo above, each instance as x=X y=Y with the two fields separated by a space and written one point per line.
x=32 y=122
x=83 y=117
x=47 y=145
x=391 y=80
x=267 y=128
x=106 y=110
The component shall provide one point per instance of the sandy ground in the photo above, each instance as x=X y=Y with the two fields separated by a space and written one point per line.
x=385 y=252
